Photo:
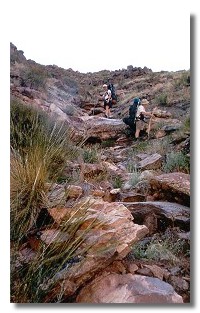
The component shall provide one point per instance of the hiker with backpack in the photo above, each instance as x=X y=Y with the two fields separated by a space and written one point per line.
x=131 y=119
x=111 y=87
x=140 y=120
x=137 y=117
x=107 y=97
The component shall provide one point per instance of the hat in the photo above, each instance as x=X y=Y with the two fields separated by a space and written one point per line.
x=136 y=100
x=144 y=101
x=105 y=85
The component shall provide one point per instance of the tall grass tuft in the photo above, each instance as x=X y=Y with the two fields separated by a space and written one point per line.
x=39 y=151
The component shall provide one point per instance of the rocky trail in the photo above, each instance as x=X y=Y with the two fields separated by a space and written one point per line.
x=134 y=197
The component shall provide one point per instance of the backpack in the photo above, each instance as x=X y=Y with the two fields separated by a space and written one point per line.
x=130 y=121
x=113 y=94
x=133 y=108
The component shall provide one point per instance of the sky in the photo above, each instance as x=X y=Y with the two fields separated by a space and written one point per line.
x=89 y=35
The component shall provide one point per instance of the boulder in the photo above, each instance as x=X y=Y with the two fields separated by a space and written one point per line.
x=109 y=233
x=158 y=215
x=102 y=128
x=172 y=187
x=128 y=288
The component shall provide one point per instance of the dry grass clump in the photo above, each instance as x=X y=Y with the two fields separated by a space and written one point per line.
x=39 y=152
x=40 y=149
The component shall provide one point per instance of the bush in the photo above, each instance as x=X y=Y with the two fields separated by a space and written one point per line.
x=177 y=161
x=162 y=99
x=167 y=246
x=25 y=125
x=183 y=80
x=161 y=146
x=135 y=178
x=116 y=181
x=142 y=146
x=35 y=77
x=91 y=154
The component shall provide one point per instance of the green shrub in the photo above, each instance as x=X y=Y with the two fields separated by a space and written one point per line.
x=182 y=81
x=176 y=161
x=91 y=154
x=131 y=167
x=161 y=146
x=116 y=182
x=35 y=77
x=161 y=99
x=25 y=125
x=142 y=146
x=167 y=247
x=135 y=178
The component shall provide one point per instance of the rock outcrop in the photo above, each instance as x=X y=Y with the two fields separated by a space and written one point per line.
x=111 y=239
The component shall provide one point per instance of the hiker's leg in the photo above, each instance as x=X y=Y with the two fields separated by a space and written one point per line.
x=109 y=107
x=137 y=133
x=106 y=108
x=107 y=111
x=138 y=128
x=147 y=129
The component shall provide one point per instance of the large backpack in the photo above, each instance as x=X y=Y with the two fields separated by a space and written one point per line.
x=113 y=93
x=130 y=121
x=133 y=108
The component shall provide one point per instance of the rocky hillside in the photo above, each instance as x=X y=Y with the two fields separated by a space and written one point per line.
x=94 y=214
